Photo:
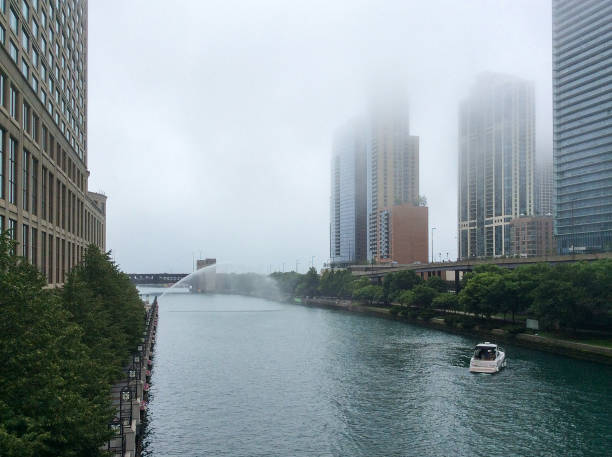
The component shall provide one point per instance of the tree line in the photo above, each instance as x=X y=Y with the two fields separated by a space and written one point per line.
x=568 y=296
x=60 y=352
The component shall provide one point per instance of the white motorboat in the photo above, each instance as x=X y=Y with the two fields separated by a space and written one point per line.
x=487 y=358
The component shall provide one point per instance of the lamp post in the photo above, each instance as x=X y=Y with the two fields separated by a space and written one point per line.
x=432 y=245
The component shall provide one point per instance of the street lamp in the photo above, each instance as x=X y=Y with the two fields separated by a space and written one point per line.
x=115 y=425
x=432 y=245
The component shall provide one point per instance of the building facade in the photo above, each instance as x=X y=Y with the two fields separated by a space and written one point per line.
x=582 y=124
x=348 y=197
x=532 y=236
x=544 y=188
x=44 y=197
x=402 y=234
x=496 y=163
x=392 y=158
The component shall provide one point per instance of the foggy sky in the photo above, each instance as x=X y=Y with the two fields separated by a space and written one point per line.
x=211 y=122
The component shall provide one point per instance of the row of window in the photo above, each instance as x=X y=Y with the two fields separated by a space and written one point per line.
x=54 y=256
x=33 y=188
x=38 y=131
x=71 y=104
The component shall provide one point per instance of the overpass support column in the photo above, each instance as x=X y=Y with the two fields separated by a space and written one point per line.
x=457 y=282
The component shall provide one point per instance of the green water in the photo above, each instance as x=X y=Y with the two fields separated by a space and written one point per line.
x=236 y=376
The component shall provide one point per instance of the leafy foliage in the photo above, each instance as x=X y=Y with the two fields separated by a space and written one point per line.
x=54 y=386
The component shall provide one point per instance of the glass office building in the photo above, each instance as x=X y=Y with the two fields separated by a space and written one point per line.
x=582 y=96
x=348 y=199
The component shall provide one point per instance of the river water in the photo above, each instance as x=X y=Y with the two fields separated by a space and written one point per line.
x=237 y=376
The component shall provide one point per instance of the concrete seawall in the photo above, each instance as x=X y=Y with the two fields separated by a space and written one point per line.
x=572 y=349
x=130 y=395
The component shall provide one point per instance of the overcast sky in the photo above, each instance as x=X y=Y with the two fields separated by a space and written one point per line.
x=211 y=122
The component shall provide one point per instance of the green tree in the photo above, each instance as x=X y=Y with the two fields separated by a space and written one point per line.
x=446 y=301
x=424 y=295
x=106 y=305
x=309 y=284
x=54 y=398
x=371 y=294
x=406 y=298
x=482 y=294
x=437 y=283
x=395 y=283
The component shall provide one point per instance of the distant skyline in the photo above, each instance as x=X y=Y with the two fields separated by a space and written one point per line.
x=211 y=129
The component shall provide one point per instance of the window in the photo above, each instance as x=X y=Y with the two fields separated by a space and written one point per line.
x=13 y=102
x=1 y=167
x=24 y=241
x=34 y=246
x=25 y=10
x=13 y=52
x=43 y=45
x=34 y=57
x=14 y=22
x=2 y=34
x=43 y=97
x=43 y=72
x=25 y=117
x=43 y=19
x=35 y=84
x=25 y=40
x=1 y=94
x=12 y=171
x=35 y=4
x=34 y=191
x=43 y=195
x=25 y=180
x=25 y=70
x=34 y=29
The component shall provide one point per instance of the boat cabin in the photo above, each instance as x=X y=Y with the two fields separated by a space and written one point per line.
x=486 y=351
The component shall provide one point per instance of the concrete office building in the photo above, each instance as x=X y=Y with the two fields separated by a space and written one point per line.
x=582 y=115
x=496 y=163
x=392 y=157
x=44 y=198
x=348 y=197
x=544 y=187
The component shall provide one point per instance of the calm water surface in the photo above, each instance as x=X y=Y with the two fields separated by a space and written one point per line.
x=236 y=376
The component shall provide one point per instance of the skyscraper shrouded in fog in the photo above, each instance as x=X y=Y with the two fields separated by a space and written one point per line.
x=496 y=163
x=582 y=114
x=348 y=195
x=392 y=166
x=44 y=198
x=374 y=208
x=544 y=187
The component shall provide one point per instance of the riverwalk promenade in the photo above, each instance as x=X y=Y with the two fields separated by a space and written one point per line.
x=130 y=394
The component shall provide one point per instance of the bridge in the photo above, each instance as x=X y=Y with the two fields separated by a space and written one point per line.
x=454 y=270
x=156 y=278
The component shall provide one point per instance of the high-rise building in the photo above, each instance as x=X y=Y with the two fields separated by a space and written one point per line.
x=532 y=236
x=348 y=197
x=44 y=198
x=496 y=163
x=582 y=112
x=402 y=234
x=544 y=187
x=392 y=164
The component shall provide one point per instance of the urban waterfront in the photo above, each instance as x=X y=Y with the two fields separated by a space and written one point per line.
x=240 y=376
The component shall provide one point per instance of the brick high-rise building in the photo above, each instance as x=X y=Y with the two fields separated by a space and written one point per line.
x=402 y=234
x=44 y=198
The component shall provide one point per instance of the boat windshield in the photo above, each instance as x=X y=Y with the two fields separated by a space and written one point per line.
x=484 y=353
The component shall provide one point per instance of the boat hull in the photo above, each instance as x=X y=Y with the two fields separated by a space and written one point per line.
x=492 y=366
